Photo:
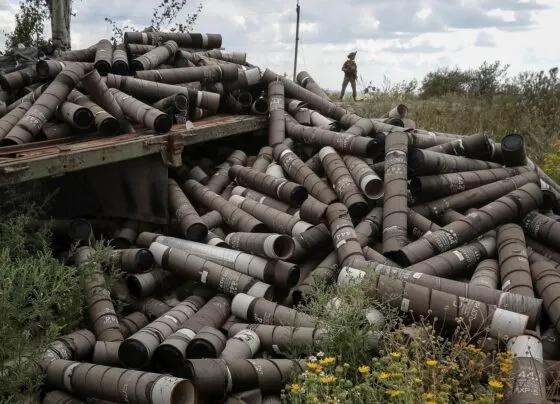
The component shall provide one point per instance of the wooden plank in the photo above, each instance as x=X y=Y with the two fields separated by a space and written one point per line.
x=54 y=160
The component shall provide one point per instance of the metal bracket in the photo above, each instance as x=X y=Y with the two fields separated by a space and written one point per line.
x=171 y=148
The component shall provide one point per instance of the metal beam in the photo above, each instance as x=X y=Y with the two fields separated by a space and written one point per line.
x=54 y=160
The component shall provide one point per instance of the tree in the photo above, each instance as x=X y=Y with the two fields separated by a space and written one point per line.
x=30 y=24
x=164 y=16
x=61 y=12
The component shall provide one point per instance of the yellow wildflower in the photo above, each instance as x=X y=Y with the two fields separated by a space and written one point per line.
x=318 y=369
x=383 y=375
x=431 y=362
x=312 y=365
x=499 y=395
x=395 y=355
x=363 y=369
x=294 y=388
x=495 y=384
x=428 y=396
x=430 y=402
x=417 y=380
x=327 y=360
x=328 y=379
x=396 y=375
x=393 y=393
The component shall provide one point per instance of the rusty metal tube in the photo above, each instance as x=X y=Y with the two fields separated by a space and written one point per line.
x=341 y=142
x=192 y=227
x=312 y=210
x=103 y=318
x=183 y=39
x=99 y=92
x=233 y=216
x=121 y=385
x=395 y=201
x=156 y=56
x=171 y=354
x=119 y=62
x=208 y=342
x=343 y=234
x=220 y=179
x=151 y=283
x=264 y=199
x=343 y=183
x=77 y=55
x=260 y=106
x=486 y=274
x=132 y=323
x=285 y=190
x=305 y=80
x=133 y=260
x=267 y=245
x=261 y=310
x=528 y=375
x=76 y=115
x=513 y=150
x=151 y=91
x=542 y=228
x=220 y=277
x=8 y=121
x=276 y=121
x=105 y=123
x=302 y=174
x=280 y=338
x=103 y=57
x=18 y=79
x=180 y=75
x=271 y=271
x=475 y=146
x=476 y=197
x=242 y=344
x=503 y=210
x=212 y=219
x=452 y=183
x=264 y=158
x=136 y=351
x=49 y=68
x=369 y=182
x=426 y=162
x=447 y=307
x=142 y=113
x=515 y=273
x=277 y=221
x=45 y=106
x=215 y=378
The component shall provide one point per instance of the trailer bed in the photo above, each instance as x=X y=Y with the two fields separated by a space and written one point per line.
x=57 y=157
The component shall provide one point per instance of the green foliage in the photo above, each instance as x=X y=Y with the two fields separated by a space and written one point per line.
x=165 y=16
x=443 y=81
x=378 y=359
x=30 y=24
x=41 y=298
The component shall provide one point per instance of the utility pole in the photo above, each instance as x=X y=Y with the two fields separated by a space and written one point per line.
x=297 y=39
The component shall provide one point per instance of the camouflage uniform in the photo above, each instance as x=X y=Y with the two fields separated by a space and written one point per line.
x=350 y=70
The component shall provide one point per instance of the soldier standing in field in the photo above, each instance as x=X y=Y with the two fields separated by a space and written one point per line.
x=350 y=70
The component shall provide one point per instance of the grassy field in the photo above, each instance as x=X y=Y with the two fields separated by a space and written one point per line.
x=358 y=362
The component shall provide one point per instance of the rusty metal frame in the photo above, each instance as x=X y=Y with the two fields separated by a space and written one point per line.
x=45 y=159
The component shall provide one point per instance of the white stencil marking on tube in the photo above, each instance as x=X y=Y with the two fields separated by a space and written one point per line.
x=459 y=255
x=203 y=276
x=404 y=304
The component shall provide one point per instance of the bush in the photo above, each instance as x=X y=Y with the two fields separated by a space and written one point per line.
x=386 y=361
x=40 y=297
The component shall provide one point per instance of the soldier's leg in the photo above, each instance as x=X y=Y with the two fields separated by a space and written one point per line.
x=353 y=84
x=344 y=85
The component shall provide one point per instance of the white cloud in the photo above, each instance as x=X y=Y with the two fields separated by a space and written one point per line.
x=402 y=39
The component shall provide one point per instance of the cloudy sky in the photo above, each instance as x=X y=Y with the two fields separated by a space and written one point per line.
x=399 y=39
